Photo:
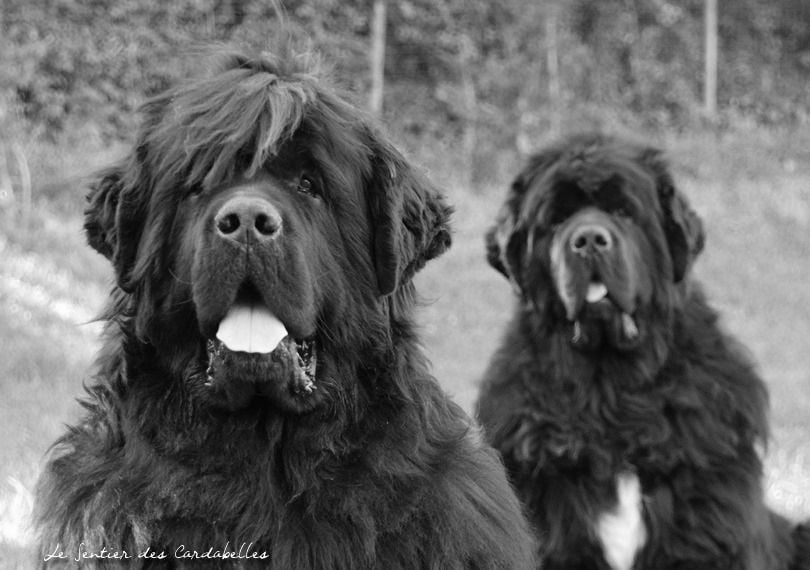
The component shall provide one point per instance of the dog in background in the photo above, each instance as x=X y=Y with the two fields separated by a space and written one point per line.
x=261 y=388
x=629 y=421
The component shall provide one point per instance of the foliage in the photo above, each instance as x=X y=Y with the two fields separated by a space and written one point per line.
x=457 y=70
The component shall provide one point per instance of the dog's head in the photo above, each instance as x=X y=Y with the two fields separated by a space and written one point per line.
x=258 y=230
x=594 y=234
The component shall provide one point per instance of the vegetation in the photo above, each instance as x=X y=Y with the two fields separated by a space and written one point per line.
x=470 y=86
x=67 y=63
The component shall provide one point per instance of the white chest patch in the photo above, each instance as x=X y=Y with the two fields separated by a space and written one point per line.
x=621 y=530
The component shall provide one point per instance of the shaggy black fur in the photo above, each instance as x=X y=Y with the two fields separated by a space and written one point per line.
x=188 y=447
x=642 y=381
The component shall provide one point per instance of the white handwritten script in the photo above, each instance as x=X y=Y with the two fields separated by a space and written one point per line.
x=85 y=553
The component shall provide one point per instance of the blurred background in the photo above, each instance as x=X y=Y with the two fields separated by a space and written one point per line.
x=468 y=88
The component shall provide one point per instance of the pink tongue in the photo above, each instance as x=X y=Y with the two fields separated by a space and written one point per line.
x=251 y=328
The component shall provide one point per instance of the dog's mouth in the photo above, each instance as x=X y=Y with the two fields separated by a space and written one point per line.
x=299 y=356
x=603 y=316
x=596 y=292
x=253 y=354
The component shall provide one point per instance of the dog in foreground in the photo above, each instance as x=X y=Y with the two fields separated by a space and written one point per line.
x=629 y=421
x=261 y=397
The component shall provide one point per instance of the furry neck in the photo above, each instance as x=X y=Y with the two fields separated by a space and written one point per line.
x=565 y=364
x=600 y=409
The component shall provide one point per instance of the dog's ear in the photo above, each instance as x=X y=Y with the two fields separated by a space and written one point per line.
x=508 y=241
x=411 y=219
x=682 y=225
x=113 y=221
x=505 y=245
x=100 y=214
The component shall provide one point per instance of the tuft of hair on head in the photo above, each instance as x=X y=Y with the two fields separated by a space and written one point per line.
x=232 y=118
x=287 y=48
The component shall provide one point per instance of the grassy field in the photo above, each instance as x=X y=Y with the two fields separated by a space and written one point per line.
x=756 y=267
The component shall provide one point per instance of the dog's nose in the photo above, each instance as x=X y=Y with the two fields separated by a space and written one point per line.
x=248 y=219
x=591 y=238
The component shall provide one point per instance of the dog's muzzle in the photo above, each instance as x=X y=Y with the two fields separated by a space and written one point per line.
x=593 y=272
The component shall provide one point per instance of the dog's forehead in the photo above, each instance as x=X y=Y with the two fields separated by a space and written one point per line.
x=588 y=164
x=211 y=131
x=605 y=174
x=589 y=181
x=584 y=177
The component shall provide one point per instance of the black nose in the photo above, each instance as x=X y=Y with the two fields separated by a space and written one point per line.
x=590 y=238
x=248 y=219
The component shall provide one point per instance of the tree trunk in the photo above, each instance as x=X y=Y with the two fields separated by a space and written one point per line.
x=710 y=80
x=6 y=188
x=25 y=185
x=378 y=21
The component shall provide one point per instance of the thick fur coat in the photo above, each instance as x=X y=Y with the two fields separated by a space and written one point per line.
x=630 y=422
x=258 y=189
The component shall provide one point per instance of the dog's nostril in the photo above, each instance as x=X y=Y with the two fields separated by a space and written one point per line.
x=591 y=237
x=228 y=224
x=266 y=225
x=248 y=219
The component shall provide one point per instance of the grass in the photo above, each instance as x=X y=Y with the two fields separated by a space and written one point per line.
x=755 y=267
x=48 y=299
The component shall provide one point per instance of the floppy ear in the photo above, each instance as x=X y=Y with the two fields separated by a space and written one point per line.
x=113 y=221
x=410 y=218
x=507 y=242
x=100 y=214
x=504 y=245
x=682 y=226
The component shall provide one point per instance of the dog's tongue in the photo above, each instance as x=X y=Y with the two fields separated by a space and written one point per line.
x=251 y=328
x=596 y=292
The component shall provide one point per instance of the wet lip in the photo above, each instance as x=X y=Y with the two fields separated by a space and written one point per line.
x=627 y=322
x=304 y=351
x=254 y=324
x=250 y=331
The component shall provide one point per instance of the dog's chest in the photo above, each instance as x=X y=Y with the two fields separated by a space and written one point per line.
x=621 y=530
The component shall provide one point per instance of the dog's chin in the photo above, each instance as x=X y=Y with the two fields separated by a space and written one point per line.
x=285 y=378
x=603 y=325
x=600 y=317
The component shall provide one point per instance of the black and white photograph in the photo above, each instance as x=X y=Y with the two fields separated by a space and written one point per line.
x=405 y=284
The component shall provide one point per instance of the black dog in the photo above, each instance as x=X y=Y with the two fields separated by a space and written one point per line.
x=261 y=396
x=628 y=420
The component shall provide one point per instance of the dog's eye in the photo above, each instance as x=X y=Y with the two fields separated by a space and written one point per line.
x=626 y=212
x=194 y=191
x=307 y=185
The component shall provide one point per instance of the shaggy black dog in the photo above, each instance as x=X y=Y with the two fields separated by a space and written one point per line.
x=629 y=422
x=261 y=396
